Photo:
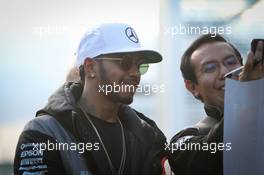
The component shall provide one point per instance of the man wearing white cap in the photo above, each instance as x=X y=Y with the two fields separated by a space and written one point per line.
x=88 y=128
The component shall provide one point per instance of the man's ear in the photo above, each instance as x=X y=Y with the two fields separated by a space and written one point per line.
x=192 y=87
x=89 y=67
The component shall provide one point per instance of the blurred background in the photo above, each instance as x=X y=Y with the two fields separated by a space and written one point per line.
x=39 y=39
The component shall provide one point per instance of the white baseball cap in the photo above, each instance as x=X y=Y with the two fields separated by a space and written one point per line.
x=113 y=38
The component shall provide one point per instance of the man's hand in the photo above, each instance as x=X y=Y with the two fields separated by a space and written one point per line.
x=254 y=67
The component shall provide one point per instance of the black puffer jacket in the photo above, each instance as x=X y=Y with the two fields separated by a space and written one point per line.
x=206 y=160
x=61 y=122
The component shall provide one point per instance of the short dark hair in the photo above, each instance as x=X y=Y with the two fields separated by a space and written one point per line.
x=82 y=73
x=186 y=66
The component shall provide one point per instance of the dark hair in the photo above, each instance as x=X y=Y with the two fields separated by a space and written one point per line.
x=82 y=73
x=186 y=66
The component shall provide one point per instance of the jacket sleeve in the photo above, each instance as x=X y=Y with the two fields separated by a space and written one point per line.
x=155 y=155
x=206 y=160
x=33 y=157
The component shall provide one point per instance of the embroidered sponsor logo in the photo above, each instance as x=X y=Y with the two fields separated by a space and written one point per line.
x=31 y=161
x=35 y=167
x=31 y=153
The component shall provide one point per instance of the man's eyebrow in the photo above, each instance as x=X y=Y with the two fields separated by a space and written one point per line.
x=230 y=55
x=207 y=62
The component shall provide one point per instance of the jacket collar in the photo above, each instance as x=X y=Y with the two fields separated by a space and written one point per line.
x=64 y=99
x=138 y=126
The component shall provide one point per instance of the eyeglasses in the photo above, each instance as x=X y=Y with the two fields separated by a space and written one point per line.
x=230 y=63
x=126 y=63
x=234 y=74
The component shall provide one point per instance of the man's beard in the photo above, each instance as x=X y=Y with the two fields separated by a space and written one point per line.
x=114 y=96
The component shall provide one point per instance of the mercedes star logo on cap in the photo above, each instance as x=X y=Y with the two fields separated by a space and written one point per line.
x=131 y=34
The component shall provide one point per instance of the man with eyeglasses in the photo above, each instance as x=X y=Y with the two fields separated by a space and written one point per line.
x=204 y=66
x=84 y=131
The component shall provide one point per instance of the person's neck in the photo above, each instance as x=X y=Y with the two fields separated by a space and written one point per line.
x=98 y=105
x=213 y=111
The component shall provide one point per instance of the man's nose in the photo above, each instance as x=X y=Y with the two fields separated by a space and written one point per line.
x=223 y=71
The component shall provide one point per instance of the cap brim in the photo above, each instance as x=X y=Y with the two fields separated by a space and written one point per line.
x=149 y=56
